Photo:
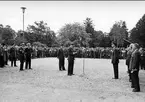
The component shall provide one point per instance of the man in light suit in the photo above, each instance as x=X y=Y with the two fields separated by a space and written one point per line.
x=134 y=67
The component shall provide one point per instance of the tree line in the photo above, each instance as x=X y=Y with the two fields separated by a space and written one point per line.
x=80 y=34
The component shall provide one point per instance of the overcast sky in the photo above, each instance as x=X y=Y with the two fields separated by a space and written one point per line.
x=57 y=13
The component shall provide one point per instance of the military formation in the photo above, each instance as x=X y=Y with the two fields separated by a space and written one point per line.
x=134 y=55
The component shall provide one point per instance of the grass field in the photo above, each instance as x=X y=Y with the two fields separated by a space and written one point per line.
x=45 y=83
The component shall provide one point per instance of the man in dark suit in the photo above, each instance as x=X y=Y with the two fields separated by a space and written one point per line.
x=115 y=60
x=71 y=58
x=134 y=67
x=28 y=54
x=61 y=58
x=13 y=55
x=22 y=56
x=1 y=56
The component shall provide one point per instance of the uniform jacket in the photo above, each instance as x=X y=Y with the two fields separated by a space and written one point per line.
x=28 y=52
x=115 y=56
x=71 y=55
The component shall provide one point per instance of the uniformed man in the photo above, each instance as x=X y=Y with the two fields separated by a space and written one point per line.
x=22 y=56
x=71 y=58
x=13 y=55
x=61 y=58
x=115 y=60
x=134 y=67
x=28 y=54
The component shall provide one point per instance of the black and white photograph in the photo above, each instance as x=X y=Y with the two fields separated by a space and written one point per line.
x=72 y=51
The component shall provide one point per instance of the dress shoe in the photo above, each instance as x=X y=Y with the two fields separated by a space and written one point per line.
x=114 y=78
x=135 y=90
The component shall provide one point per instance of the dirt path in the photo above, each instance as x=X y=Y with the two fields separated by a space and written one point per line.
x=46 y=84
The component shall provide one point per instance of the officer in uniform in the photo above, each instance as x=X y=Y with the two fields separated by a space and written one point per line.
x=28 y=53
x=60 y=56
x=71 y=58
x=115 y=60
x=22 y=56
x=134 y=67
x=13 y=55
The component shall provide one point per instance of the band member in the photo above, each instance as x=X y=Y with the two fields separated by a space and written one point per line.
x=129 y=52
x=134 y=67
x=61 y=58
x=1 y=56
x=22 y=56
x=28 y=54
x=71 y=58
x=13 y=55
x=115 y=60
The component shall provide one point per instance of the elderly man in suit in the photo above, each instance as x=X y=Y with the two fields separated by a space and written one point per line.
x=61 y=57
x=134 y=67
x=115 y=60
x=129 y=52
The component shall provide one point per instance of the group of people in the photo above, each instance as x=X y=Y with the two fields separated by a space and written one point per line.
x=71 y=58
x=133 y=60
x=23 y=53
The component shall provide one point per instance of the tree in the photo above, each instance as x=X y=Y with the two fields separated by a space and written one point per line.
x=137 y=34
x=73 y=33
x=40 y=32
x=89 y=27
x=118 y=33
x=7 y=34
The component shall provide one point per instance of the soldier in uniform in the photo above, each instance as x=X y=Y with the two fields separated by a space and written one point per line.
x=61 y=58
x=71 y=58
x=22 y=56
x=134 y=67
x=28 y=54
x=115 y=60
x=13 y=55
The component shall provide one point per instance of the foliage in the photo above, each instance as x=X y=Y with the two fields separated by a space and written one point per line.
x=118 y=33
x=73 y=33
x=137 y=34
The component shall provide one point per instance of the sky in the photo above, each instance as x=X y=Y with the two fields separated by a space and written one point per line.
x=58 y=13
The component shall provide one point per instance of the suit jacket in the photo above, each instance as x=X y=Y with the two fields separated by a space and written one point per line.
x=135 y=61
x=115 y=56
x=60 y=54
x=128 y=57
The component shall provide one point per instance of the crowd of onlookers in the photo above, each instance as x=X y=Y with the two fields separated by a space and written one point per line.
x=42 y=52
